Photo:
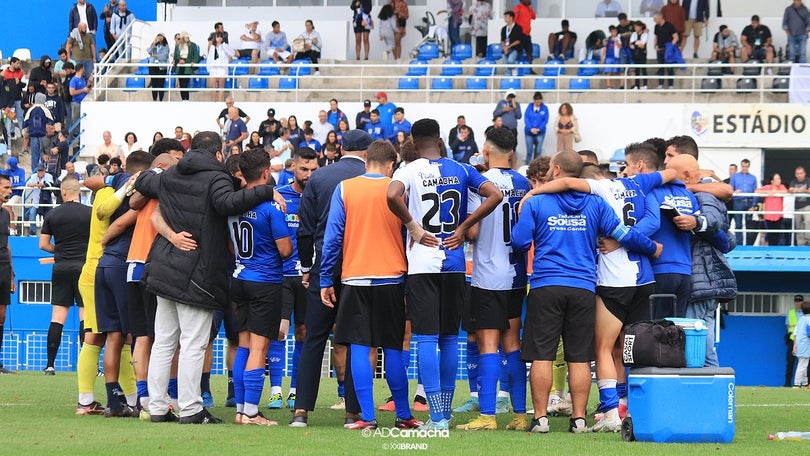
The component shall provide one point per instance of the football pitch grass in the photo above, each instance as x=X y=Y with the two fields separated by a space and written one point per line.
x=37 y=416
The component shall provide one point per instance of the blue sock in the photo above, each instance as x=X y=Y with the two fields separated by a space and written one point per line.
x=342 y=388
x=429 y=371
x=607 y=395
x=254 y=381
x=489 y=382
x=397 y=379
x=448 y=368
x=503 y=377
x=172 y=388
x=143 y=388
x=239 y=363
x=472 y=366
x=406 y=360
x=296 y=357
x=517 y=371
x=275 y=358
x=363 y=379
x=621 y=389
x=205 y=383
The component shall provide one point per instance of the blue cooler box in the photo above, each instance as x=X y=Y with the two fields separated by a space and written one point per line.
x=695 y=340
x=682 y=405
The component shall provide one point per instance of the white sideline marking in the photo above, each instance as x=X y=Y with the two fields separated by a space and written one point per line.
x=773 y=405
x=8 y=404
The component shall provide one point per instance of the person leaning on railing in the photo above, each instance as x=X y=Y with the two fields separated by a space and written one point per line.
x=773 y=205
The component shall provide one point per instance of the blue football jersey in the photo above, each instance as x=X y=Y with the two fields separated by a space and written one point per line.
x=292 y=265
x=254 y=235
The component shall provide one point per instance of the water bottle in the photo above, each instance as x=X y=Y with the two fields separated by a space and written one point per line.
x=792 y=435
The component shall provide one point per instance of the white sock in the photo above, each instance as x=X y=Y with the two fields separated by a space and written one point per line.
x=275 y=390
x=240 y=408
x=607 y=383
x=175 y=405
x=251 y=409
x=145 y=403
x=86 y=398
x=420 y=390
x=292 y=390
x=132 y=399
x=503 y=394
x=475 y=394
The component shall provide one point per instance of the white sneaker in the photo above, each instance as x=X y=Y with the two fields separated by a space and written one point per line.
x=610 y=422
x=560 y=408
x=339 y=405
x=539 y=425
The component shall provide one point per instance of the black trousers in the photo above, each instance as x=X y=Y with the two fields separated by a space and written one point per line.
x=526 y=45
x=311 y=54
x=157 y=82
x=661 y=71
x=183 y=82
x=319 y=322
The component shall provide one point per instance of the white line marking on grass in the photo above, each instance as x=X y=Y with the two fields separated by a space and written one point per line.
x=9 y=404
x=774 y=405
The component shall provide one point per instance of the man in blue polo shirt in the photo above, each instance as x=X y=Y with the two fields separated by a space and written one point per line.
x=744 y=182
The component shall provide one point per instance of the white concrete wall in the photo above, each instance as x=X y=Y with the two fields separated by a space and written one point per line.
x=604 y=127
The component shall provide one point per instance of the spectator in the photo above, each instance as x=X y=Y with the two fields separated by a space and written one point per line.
x=801 y=185
x=16 y=175
x=159 y=59
x=664 y=33
x=322 y=127
x=497 y=122
x=121 y=19
x=334 y=115
x=237 y=130
x=511 y=34
x=363 y=117
x=296 y=132
x=638 y=43
x=70 y=173
x=757 y=42
x=330 y=156
x=796 y=23
x=310 y=142
x=508 y=110
x=611 y=53
x=401 y=13
x=400 y=124
x=64 y=91
x=342 y=128
x=277 y=46
x=55 y=104
x=218 y=28
x=481 y=14
x=12 y=78
x=744 y=182
x=130 y=145
x=463 y=146
x=282 y=147
x=41 y=75
x=51 y=139
x=724 y=45
x=186 y=57
x=79 y=88
x=106 y=15
x=375 y=128
x=697 y=15
x=83 y=12
x=567 y=128
x=331 y=138
x=312 y=45
x=460 y=120
x=608 y=8
x=224 y=120
x=535 y=120
x=218 y=57
x=269 y=128
x=774 y=207
x=35 y=120
x=251 y=42
x=561 y=44
x=674 y=13
x=108 y=148
x=649 y=7
x=362 y=24
x=388 y=30
x=455 y=9
x=59 y=67
x=524 y=15
x=386 y=110
x=81 y=46
x=38 y=180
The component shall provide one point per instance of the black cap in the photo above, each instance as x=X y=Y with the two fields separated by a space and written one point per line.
x=798 y=298
x=367 y=103
x=40 y=167
x=271 y=112
x=354 y=140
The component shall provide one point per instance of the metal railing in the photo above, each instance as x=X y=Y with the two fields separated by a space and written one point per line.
x=752 y=229
x=557 y=82
x=25 y=211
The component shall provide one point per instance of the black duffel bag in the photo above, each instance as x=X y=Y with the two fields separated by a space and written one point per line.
x=654 y=343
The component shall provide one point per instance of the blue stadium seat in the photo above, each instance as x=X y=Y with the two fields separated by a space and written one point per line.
x=588 y=68
x=408 y=84
x=232 y=83
x=441 y=84
x=287 y=83
x=269 y=68
x=554 y=68
x=256 y=84
x=197 y=82
x=202 y=71
x=476 y=84
x=300 y=67
x=451 y=67
x=577 y=85
x=239 y=68
x=486 y=67
x=418 y=68
x=545 y=84
x=524 y=67
x=462 y=51
x=428 y=51
x=134 y=83
x=494 y=51
x=535 y=51
x=170 y=82
x=510 y=83
x=143 y=69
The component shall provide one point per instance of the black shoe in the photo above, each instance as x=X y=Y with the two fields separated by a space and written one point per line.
x=299 y=420
x=169 y=417
x=50 y=371
x=420 y=399
x=201 y=417
x=3 y=370
x=577 y=425
x=350 y=419
x=124 y=412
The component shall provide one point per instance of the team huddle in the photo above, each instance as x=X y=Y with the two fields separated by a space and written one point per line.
x=372 y=249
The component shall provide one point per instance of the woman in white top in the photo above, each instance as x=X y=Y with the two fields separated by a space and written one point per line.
x=638 y=43
x=312 y=45
x=216 y=62
x=130 y=145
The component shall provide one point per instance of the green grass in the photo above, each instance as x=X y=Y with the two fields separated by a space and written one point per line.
x=37 y=416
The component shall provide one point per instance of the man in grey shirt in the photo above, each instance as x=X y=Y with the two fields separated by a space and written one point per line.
x=509 y=111
x=796 y=23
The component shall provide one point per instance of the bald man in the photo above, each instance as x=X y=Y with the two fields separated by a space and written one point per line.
x=712 y=280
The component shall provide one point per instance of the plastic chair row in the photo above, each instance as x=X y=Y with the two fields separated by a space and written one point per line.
x=481 y=83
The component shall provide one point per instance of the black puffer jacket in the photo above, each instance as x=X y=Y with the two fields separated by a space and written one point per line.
x=712 y=277
x=196 y=196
